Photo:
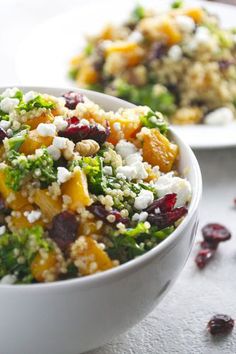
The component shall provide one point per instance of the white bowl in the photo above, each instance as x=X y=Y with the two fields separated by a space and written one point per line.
x=73 y=316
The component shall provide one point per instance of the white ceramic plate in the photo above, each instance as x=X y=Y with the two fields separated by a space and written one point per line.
x=42 y=58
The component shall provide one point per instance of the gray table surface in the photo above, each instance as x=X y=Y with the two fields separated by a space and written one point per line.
x=178 y=324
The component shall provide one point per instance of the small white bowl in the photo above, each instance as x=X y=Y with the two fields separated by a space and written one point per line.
x=73 y=316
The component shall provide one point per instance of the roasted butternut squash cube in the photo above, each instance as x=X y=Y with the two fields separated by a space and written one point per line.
x=196 y=13
x=34 y=141
x=172 y=34
x=46 y=268
x=44 y=118
x=18 y=201
x=49 y=207
x=89 y=256
x=158 y=150
x=77 y=189
x=127 y=129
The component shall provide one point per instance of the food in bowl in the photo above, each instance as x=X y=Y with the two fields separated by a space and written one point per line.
x=82 y=190
x=180 y=62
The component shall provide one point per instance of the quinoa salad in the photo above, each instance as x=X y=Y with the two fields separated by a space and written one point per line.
x=180 y=62
x=82 y=190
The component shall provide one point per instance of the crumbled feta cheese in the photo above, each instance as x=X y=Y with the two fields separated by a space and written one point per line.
x=8 y=279
x=45 y=129
x=185 y=23
x=128 y=171
x=60 y=123
x=140 y=217
x=84 y=122
x=135 y=36
x=5 y=124
x=10 y=92
x=141 y=172
x=54 y=152
x=202 y=35
x=107 y=170
x=175 y=53
x=133 y=158
x=171 y=184
x=33 y=215
x=8 y=104
x=143 y=200
x=125 y=148
x=63 y=175
x=117 y=126
x=219 y=116
x=9 y=133
x=29 y=96
x=2 y=230
x=60 y=143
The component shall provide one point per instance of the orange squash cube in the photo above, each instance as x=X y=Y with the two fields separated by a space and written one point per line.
x=40 y=267
x=77 y=189
x=44 y=118
x=19 y=201
x=49 y=207
x=158 y=150
x=34 y=141
x=172 y=34
x=196 y=13
x=89 y=257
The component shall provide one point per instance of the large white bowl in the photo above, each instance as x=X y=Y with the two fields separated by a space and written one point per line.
x=73 y=316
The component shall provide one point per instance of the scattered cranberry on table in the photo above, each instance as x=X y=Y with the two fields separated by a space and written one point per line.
x=213 y=234
x=220 y=324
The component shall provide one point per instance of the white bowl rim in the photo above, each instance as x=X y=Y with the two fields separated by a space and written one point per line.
x=132 y=265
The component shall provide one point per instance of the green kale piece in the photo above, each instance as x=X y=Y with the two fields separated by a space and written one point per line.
x=164 y=102
x=88 y=50
x=16 y=141
x=92 y=167
x=73 y=73
x=124 y=248
x=154 y=120
x=177 y=4
x=17 y=251
x=17 y=171
x=37 y=102
x=43 y=168
x=138 y=13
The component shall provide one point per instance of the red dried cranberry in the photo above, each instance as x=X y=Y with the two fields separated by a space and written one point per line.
x=215 y=232
x=220 y=324
x=224 y=64
x=72 y=99
x=99 y=211
x=158 y=50
x=165 y=204
x=3 y=134
x=204 y=256
x=64 y=229
x=212 y=245
x=77 y=132
x=163 y=220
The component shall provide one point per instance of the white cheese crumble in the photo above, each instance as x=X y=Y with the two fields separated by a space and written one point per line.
x=54 y=152
x=2 y=230
x=185 y=23
x=10 y=92
x=107 y=170
x=8 y=279
x=171 y=184
x=129 y=172
x=143 y=200
x=219 y=116
x=133 y=158
x=7 y=105
x=5 y=124
x=33 y=215
x=59 y=142
x=45 y=129
x=60 y=123
x=175 y=53
x=63 y=175
x=125 y=148
x=29 y=96
x=84 y=122
x=140 y=217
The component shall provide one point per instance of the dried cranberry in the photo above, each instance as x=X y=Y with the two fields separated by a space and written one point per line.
x=99 y=211
x=77 y=132
x=165 y=204
x=72 y=99
x=158 y=50
x=3 y=134
x=224 y=64
x=215 y=232
x=212 y=245
x=204 y=256
x=220 y=324
x=163 y=220
x=64 y=229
